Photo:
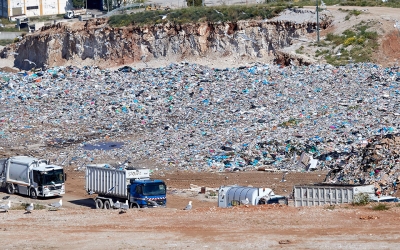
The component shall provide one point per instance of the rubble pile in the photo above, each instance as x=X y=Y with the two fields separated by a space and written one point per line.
x=376 y=162
x=188 y=116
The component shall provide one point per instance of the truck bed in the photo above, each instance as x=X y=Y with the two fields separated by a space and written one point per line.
x=106 y=181
x=321 y=194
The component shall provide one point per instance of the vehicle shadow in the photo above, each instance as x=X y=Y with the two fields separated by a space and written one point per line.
x=84 y=202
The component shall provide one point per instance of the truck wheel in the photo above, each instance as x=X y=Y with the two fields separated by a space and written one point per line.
x=33 y=193
x=99 y=204
x=283 y=201
x=10 y=188
x=133 y=205
x=107 y=205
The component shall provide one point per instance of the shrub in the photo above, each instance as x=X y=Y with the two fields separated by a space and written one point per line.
x=371 y=35
x=349 y=33
x=213 y=193
x=330 y=36
x=330 y=207
x=349 y=41
x=380 y=207
x=322 y=52
x=355 y=12
x=5 y=21
x=22 y=206
x=364 y=43
x=337 y=40
x=300 y=50
x=5 y=42
x=361 y=199
x=195 y=14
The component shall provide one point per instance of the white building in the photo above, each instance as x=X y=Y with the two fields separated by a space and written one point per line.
x=30 y=8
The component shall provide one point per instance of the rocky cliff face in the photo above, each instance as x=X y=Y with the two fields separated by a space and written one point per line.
x=65 y=43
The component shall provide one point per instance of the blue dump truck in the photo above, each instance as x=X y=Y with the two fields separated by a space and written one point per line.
x=116 y=185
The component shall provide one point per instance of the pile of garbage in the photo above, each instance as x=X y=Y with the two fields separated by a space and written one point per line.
x=377 y=161
x=192 y=117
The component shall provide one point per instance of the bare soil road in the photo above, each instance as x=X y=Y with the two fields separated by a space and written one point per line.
x=78 y=225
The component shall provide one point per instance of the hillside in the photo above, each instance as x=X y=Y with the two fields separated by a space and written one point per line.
x=292 y=35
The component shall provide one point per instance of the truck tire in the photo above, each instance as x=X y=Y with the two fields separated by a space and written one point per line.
x=99 y=204
x=283 y=201
x=107 y=205
x=10 y=188
x=133 y=205
x=32 y=193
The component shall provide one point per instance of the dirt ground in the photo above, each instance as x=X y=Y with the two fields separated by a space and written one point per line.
x=78 y=225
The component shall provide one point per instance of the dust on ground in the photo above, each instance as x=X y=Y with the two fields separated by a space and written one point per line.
x=78 y=225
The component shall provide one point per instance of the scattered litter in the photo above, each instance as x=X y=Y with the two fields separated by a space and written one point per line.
x=369 y=217
x=285 y=242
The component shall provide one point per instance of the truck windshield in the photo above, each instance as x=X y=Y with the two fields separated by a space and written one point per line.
x=52 y=177
x=154 y=189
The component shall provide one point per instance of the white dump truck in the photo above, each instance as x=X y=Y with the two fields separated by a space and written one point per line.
x=236 y=195
x=121 y=184
x=328 y=194
x=31 y=176
x=74 y=13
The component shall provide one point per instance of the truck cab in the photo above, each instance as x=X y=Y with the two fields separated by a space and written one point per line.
x=31 y=176
x=148 y=193
x=69 y=14
x=49 y=181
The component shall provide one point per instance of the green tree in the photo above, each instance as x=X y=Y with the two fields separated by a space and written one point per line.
x=79 y=3
x=195 y=2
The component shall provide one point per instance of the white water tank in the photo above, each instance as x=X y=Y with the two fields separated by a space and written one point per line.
x=233 y=195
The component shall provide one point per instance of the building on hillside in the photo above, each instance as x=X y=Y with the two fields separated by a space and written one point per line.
x=31 y=8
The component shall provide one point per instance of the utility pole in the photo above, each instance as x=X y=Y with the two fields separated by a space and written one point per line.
x=317 y=22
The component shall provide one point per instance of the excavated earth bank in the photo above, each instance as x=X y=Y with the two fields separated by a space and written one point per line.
x=94 y=40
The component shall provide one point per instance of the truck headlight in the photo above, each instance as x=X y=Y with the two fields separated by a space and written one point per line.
x=151 y=203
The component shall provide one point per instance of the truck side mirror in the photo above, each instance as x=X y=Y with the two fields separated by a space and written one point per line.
x=65 y=177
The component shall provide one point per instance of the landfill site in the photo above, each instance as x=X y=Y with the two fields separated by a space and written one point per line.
x=266 y=150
